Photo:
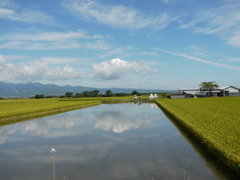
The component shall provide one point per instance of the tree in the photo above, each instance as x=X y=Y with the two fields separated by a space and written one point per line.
x=109 y=93
x=136 y=93
x=78 y=95
x=210 y=85
x=96 y=93
x=39 y=96
x=86 y=94
x=68 y=94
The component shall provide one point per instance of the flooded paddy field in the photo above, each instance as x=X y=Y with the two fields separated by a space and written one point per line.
x=109 y=141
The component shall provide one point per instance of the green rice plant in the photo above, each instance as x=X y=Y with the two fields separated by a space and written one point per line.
x=213 y=121
x=21 y=108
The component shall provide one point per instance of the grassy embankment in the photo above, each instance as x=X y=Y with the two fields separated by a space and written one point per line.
x=215 y=122
x=15 y=110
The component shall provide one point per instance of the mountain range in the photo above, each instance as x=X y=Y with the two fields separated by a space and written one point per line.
x=31 y=89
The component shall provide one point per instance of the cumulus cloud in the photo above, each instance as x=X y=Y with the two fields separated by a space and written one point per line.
x=115 y=16
x=36 y=70
x=63 y=73
x=116 y=68
x=5 y=69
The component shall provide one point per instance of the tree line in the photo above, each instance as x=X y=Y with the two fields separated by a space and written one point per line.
x=94 y=93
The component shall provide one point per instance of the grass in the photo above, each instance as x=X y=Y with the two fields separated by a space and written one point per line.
x=213 y=121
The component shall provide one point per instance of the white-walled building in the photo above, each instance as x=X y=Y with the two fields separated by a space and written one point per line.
x=229 y=90
x=222 y=91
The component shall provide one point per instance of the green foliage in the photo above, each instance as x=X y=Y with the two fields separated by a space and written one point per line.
x=78 y=95
x=214 y=121
x=136 y=93
x=120 y=94
x=39 y=96
x=163 y=95
x=109 y=93
x=94 y=93
x=69 y=94
x=210 y=85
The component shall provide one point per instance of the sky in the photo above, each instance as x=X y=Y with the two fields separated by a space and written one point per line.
x=148 y=44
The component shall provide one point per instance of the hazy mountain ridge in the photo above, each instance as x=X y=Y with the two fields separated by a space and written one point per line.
x=31 y=89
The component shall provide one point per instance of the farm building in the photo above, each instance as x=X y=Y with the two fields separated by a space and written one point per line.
x=220 y=92
x=178 y=95
x=230 y=91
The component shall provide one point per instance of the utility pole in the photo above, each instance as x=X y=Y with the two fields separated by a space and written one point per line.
x=53 y=150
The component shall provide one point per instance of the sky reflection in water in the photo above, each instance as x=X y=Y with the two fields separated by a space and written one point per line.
x=117 y=141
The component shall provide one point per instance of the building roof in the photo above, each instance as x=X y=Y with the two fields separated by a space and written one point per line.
x=197 y=89
x=188 y=89
x=225 y=87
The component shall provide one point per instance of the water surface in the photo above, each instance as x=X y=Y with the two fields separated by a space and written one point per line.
x=117 y=142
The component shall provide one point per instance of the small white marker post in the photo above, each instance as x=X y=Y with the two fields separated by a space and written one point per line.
x=53 y=150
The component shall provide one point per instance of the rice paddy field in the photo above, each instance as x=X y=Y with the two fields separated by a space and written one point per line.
x=215 y=122
x=13 y=110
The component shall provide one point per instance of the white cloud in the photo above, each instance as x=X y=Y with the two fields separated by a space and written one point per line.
x=54 y=40
x=234 y=39
x=234 y=60
x=36 y=70
x=116 y=68
x=116 y=51
x=51 y=36
x=29 y=71
x=223 y=20
x=5 y=69
x=63 y=73
x=115 y=16
x=148 y=53
x=216 y=20
x=25 y=15
x=6 y=12
x=25 y=45
x=61 y=60
x=198 y=51
x=236 y=68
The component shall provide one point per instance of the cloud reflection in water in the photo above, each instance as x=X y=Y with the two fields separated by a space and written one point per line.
x=52 y=126
x=118 y=122
x=55 y=126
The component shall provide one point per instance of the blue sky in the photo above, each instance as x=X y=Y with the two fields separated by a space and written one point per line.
x=155 y=44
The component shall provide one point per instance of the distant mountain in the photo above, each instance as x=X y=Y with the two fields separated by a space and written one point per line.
x=31 y=89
